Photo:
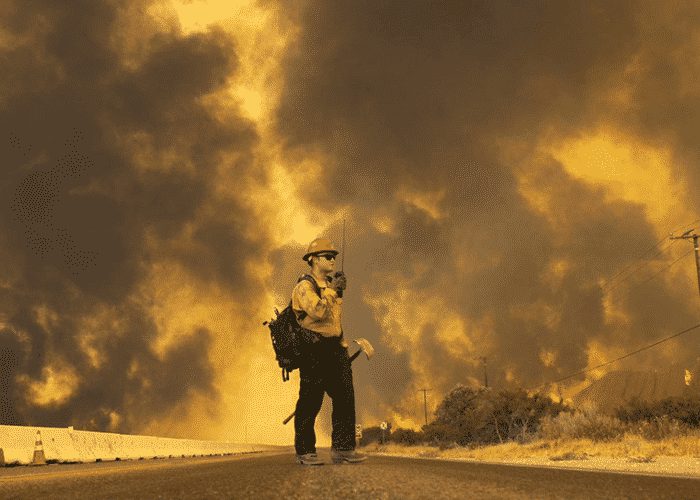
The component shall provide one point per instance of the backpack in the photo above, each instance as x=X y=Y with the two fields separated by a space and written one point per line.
x=288 y=337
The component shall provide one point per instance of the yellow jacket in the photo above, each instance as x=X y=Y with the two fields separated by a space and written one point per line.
x=323 y=314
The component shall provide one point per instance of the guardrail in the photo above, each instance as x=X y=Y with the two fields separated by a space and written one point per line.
x=37 y=445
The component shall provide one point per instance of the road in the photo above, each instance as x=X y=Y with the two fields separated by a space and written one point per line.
x=275 y=475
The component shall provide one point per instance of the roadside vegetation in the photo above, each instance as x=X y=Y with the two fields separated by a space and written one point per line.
x=486 y=424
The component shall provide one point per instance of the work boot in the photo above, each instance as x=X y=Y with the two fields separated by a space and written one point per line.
x=347 y=457
x=309 y=459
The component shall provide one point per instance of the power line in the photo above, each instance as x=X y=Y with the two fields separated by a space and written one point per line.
x=631 y=268
x=666 y=339
x=686 y=225
x=550 y=324
x=614 y=286
x=643 y=348
x=665 y=268
x=696 y=248
x=656 y=273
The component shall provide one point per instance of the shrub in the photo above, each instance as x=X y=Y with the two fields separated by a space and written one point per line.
x=581 y=424
x=635 y=411
x=370 y=435
x=374 y=435
x=406 y=436
x=685 y=410
x=659 y=428
x=459 y=417
x=484 y=416
x=517 y=415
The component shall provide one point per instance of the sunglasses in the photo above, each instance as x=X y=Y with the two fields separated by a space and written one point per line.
x=327 y=256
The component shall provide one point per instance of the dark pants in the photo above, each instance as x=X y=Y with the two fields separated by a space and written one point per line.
x=327 y=370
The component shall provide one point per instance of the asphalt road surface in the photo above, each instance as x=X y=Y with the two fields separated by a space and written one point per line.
x=269 y=475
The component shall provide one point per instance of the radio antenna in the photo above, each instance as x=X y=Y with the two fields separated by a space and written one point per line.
x=342 y=255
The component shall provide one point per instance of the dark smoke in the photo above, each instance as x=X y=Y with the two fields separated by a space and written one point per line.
x=454 y=98
x=108 y=154
x=112 y=163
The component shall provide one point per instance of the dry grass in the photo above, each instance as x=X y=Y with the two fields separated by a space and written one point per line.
x=631 y=447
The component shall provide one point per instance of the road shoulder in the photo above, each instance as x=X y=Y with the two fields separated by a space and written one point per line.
x=686 y=467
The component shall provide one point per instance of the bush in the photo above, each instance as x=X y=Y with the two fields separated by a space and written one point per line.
x=483 y=416
x=459 y=417
x=659 y=428
x=635 y=411
x=517 y=415
x=685 y=410
x=581 y=424
x=370 y=435
x=374 y=435
x=406 y=436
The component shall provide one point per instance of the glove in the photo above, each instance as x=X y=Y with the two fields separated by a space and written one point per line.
x=339 y=283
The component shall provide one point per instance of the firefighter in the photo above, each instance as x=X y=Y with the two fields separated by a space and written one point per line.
x=326 y=367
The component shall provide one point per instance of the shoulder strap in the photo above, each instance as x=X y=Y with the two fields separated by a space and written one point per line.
x=317 y=289
x=310 y=279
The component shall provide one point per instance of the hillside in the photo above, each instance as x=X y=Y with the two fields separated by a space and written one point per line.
x=617 y=387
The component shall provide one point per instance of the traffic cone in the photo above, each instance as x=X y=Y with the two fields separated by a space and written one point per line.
x=39 y=457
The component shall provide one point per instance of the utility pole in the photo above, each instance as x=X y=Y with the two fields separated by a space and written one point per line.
x=425 y=403
x=486 y=375
x=687 y=236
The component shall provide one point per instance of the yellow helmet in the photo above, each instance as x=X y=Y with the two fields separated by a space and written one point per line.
x=320 y=245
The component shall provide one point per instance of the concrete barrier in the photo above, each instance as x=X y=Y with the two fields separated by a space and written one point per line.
x=17 y=446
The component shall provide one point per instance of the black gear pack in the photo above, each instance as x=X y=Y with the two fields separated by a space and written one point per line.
x=288 y=337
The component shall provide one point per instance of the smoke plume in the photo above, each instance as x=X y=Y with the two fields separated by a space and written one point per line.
x=446 y=132
x=113 y=158
x=508 y=173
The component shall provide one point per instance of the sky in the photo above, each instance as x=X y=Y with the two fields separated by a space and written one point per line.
x=508 y=173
